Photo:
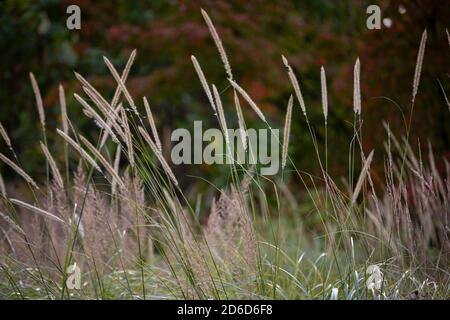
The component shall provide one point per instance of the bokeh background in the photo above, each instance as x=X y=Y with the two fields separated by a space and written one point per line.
x=310 y=33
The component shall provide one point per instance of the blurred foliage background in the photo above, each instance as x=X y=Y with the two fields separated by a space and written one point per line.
x=310 y=33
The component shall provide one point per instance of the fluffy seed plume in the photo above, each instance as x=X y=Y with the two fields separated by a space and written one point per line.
x=128 y=138
x=80 y=150
x=158 y=155
x=124 y=77
x=18 y=170
x=241 y=121
x=116 y=168
x=121 y=84
x=62 y=103
x=448 y=36
x=444 y=94
x=102 y=104
x=295 y=85
x=323 y=83
x=115 y=100
x=203 y=81
x=11 y=223
x=419 y=62
x=218 y=43
x=38 y=97
x=2 y=186
x=36 y=210
x=151 y=121
x=86 y=84
x=287 y=131
x=221 y=114
x=111 y=115
x=112 y=122
x=5 y=136
x=249 y=100
x=103 y=161
x=357 y=88
x=362 y=177
x=90 y=112
x=56 y=174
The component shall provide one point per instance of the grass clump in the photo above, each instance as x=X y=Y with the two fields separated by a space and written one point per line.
x=126 y=222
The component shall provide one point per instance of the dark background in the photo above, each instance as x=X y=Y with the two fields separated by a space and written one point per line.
x=34 y=37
